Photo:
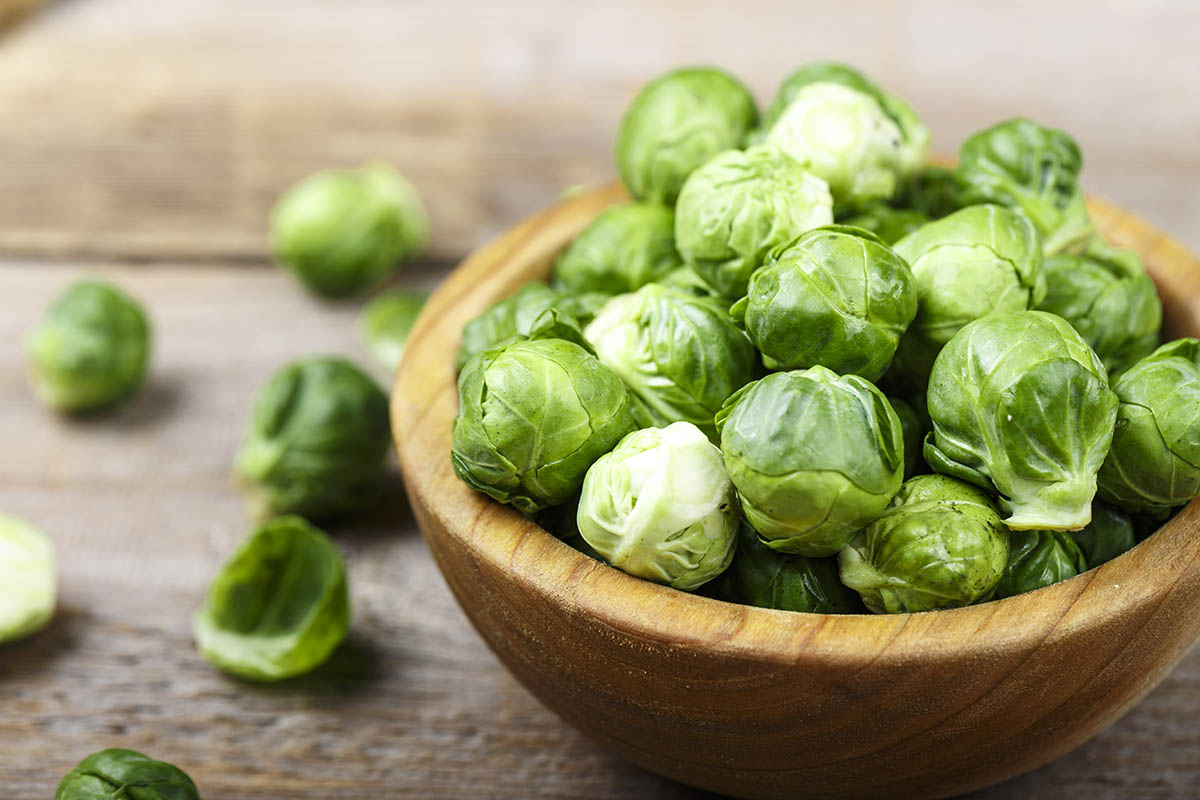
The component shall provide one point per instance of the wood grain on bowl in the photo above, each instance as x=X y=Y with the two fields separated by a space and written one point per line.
x=761 y=703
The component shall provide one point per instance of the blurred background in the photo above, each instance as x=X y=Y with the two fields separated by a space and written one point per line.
x=138 y=128
x=147 y=140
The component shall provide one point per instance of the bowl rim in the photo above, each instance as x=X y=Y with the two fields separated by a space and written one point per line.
x=453 y=515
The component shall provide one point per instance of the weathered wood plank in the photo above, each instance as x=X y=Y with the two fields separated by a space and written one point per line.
x=148 y=129
x=142 y=508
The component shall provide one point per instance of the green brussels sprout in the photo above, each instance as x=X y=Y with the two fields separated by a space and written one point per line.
x=935 y=192
x=1020 y=164
x=688 y=280
x=1107 y=296
x=91 y=350
x=317 y=439
x=660 y=506
x=343 y=231
x=914 y=143
x=1108 y=535
x=386 y=322
x=1021 y=406
x=680 y=354
x=279 y=607
x=835 y=296
x=623 y=249
x=128 y=775
x=889 y=224
x=533 y=309
x=1154 y=463
x=814 y=456
x=738 y=205
x=1037 y=559
x=533 y=415
x=940 y=544
x=845 y=137
x=977 y=261
x=914 y=430
x=675 y=124
x=760 y=576
x=27 y=579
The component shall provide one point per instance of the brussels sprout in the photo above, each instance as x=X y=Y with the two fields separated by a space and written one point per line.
x=940 y=544
x=675 y=124
x=914 y=143
x=1154 y=464
x=279 y=607
x=386 y=322
x=977 y=261
x=1108 y=535
x=533 y=415
x=661 y=507
x=843 y=136
x=679 y=353
x=1107 y=296
x=128 y=775
x=1021 y=406
x=889 y=224
x=686 y=279
x=738 y=205
x=760 y=576
x=914 y=430
x=317 y=439
x=534 y=308
x=1020 y=164
x=935 y=192
x=27 y=579
x=623 y=249
x=814 y=456
x=91 y=350
x=835 y=296
x=1037 y=559
x=343 y=231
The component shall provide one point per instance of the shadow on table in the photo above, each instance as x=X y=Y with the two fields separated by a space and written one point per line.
x=154 y=405
x=354 y=670
x=35 y=653
x=391 y=516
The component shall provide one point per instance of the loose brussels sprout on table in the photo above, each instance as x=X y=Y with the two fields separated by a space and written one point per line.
x=940 y=544
x=979 y=297
x=623 y=249
x=91 y=350
x=1021 y=406
x=815 y=456
x=835 y=296
x=738 y=205
x=28 y=581
x=318 y=436
x=343 y=231
x=680 y=354
x=1037 y=559
x=977 y=261
x=533 y=416
x=279 y=606
x=1107 y=296
x=661 y=507
x=675 y=124
x=386 y=322
x=1035 y=170
x=764 y=577
x=128 y=775
x=1154 y=463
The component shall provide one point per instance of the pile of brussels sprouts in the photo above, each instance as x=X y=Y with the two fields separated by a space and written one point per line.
x=803 y=369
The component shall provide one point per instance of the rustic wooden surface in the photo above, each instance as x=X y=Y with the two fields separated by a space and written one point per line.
x=146 y=140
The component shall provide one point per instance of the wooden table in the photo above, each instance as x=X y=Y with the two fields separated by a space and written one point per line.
x=145 y=141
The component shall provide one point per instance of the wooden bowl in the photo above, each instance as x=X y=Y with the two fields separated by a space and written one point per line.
x=761 y=703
